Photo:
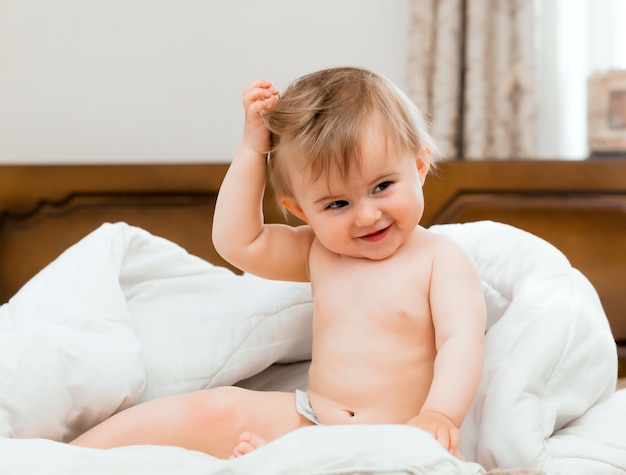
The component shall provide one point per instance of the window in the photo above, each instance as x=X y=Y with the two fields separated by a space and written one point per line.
x=575 y=38
x=620 y=27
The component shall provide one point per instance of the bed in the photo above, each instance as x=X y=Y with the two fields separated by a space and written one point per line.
x=113 y=294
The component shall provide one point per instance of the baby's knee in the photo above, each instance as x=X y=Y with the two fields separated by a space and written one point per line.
x=217 y=405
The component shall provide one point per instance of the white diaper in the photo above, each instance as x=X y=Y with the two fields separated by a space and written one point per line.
x=303 y=406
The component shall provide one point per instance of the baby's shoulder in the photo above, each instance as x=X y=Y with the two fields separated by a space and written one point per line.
x=440 y=245
x=436 y=239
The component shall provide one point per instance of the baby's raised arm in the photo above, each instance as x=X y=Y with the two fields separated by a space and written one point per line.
x=240 y=235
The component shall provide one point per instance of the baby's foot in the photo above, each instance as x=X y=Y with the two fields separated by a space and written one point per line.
x=248 y=441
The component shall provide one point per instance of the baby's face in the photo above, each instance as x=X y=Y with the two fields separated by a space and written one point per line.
x=372 y=213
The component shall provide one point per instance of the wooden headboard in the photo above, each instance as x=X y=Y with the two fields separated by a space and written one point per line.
x=580 y=207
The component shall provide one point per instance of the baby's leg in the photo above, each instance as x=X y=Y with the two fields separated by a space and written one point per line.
x=210 y=421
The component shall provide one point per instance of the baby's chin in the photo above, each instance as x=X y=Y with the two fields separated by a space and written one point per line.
x=368 y=255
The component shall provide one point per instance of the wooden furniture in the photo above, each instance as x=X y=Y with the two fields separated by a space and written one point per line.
x=580 y=207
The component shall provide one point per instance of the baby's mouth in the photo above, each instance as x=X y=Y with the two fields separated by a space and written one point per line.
x=376 y=236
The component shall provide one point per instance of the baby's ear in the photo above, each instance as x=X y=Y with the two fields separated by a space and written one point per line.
x=423 y=164
x=291 y=205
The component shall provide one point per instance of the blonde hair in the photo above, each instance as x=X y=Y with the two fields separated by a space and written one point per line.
x=319 y=121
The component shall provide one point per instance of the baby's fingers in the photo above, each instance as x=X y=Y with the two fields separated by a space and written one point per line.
x=449 y=438
x=455 y=439
x=258 y=91
x=442 y=434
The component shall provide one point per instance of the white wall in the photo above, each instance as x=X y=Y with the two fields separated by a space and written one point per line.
x=161 y=80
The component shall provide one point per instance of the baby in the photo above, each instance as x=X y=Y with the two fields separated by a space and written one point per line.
x=398 y=311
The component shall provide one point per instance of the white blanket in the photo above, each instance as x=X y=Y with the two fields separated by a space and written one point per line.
x=124 y=316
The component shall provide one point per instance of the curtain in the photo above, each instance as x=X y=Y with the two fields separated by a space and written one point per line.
x=470 y=71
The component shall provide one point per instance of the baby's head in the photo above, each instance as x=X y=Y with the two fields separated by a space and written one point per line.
x=317 y=125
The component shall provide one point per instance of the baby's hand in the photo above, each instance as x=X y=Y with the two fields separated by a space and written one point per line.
x=258 y=97
x=440 y=427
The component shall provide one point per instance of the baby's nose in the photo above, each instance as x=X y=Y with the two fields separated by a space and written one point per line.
x=367 y=214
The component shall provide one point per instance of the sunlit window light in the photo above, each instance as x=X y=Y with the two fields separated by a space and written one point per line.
x=620 y=51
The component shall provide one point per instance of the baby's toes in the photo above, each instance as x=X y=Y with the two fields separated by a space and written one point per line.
x=253 y=440
x=248 y=441
x=242 y=448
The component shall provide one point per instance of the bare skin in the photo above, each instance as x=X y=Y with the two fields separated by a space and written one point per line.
x=399 y=314
x=388 y=379
x=406 y=349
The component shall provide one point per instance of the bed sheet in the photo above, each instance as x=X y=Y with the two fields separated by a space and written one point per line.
x=145 y=319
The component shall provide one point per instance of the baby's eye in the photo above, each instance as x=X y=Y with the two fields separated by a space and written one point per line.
x=381 y=186
x=337 y=204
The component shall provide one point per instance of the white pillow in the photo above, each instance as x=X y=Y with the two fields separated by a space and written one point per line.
x=68 y=356
x=75 y=340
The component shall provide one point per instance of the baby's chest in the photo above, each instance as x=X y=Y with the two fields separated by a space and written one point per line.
x=374 y=292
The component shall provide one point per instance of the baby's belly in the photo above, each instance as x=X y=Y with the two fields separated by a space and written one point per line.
x=352 y=394
x=330 y=411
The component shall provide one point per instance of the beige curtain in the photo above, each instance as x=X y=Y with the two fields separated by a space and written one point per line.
x=470 y=71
